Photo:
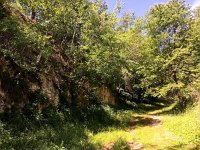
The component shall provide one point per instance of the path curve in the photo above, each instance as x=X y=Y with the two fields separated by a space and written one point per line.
x=138 y=120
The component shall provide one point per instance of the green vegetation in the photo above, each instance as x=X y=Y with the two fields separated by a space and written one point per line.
x=62 y=60
x=67 y=130
x=188 y=128
x=175 y=132
x=98 y=126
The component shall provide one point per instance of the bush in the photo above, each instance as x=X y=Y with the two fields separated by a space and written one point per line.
x=4 y=134
x=121 y=145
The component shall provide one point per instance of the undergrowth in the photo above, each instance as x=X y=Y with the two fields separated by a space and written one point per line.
x=73 y=128
x=93 y=127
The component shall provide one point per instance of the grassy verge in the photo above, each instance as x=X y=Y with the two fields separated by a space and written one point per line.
x=93 y=127
x=73 y=128
x=186 y=125
x=176 y=131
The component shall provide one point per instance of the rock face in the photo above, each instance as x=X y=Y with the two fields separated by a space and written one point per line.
x=19 y=87
x=27 y=76
x=106 y=95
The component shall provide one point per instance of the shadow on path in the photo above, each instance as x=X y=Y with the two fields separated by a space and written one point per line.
x=144 y=120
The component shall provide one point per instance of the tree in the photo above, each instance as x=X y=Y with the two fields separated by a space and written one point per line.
x=166 y=60
x=100 y=47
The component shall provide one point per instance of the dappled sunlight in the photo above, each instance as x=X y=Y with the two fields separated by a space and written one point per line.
x=111 y=136
x=76 y=76
x=144 y=120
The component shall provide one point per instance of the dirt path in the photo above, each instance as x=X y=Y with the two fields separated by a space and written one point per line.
x=153 y=131
x=150 y=132
x=145 y=120
x=138 y=121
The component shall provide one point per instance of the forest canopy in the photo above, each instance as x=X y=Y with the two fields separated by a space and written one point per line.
x=79 y=46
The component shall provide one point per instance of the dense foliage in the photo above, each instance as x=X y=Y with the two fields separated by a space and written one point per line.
x=154 y=56
x=169 y=60
x=69 y=52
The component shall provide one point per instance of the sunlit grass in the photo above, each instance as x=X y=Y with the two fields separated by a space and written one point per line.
x=111 y=137
x=186 y=125
x=95 y=127
x=156 y=137
x=180 y=131
x=165 y=109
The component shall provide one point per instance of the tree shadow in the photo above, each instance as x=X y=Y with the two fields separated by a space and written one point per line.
x=145 y=106
x=175 y=110
x=68 y=128
x=140 y=121
x=52 y=130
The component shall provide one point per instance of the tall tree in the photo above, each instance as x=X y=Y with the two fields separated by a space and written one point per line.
x=167 y=61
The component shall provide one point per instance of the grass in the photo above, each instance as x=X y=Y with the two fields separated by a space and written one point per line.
x=93 y=127
x=155 y=138
x=121 y=145
x=180 y=131
x=186 y=125
x=114 y=136
x=74 y=128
